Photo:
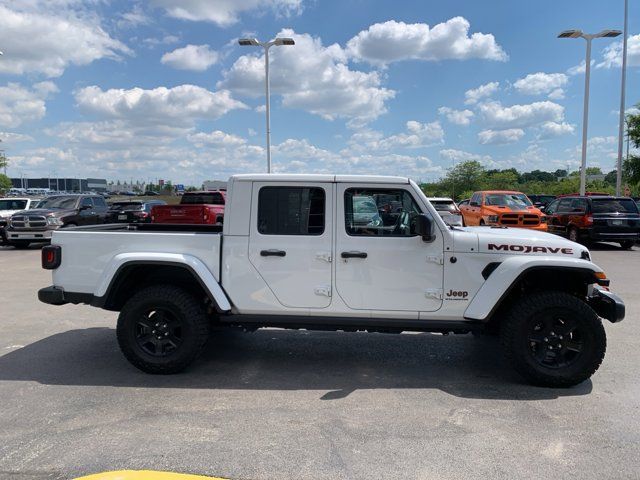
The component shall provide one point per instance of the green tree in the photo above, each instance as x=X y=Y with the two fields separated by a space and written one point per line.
x=594 y=171
x=504 y=180
x=5 y=183
x=466 y=175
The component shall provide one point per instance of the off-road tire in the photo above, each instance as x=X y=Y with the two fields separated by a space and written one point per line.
x=515 y=338
x=627 y=245
x=189 y=312
x=20 y=244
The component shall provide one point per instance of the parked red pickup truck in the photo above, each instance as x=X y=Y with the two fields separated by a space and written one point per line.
x=195 y=208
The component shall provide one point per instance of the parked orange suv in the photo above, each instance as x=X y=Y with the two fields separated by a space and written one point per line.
x=503 y=208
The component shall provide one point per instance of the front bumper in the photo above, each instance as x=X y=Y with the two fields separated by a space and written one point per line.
x=606 y=304
x=32 y=235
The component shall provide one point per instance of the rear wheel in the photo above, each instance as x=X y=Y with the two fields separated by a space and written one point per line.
x=627 y=244
x=162 y=329
x=553 y=339
x=573 y=235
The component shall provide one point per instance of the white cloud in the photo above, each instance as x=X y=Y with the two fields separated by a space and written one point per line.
x=192 y=57
x=454 y=155
x=541 y=83
x=474 y=95
x=166 y=40
x=38 y=38
x=217 y=137
x=180 y=105
x=391 y=41
x=457 y=117
x=555 y=129
x=520 y=116
x=580 y=68
x=10 y=137
x=417 y=135
x=612 y=54
x=19 y=105
x=311 y=77
x=500 y=137
x=133 y=18
x=225 y=12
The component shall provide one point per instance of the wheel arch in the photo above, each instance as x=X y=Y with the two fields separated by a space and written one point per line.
x=519 y=274
x=126 y=276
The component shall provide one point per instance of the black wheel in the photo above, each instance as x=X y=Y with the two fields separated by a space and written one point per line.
x=627 y=245
x=20 y=244
x=573 y=235
x=482 y=224
x=553 y=339
x=162 y=329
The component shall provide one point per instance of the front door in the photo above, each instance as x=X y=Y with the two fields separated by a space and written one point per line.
x=291 y=241
x=380 y=263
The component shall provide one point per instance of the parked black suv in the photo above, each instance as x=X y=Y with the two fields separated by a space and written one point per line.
x=132 y=212
x=540 y=201
x=57 y=211
x=595 y=218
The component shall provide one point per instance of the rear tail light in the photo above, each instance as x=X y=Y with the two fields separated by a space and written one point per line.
x=51 y=257
x=141 y=214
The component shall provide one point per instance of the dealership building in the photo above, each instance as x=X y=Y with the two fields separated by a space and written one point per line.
x=62 y=184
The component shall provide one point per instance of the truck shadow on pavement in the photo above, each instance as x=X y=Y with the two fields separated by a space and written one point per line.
x=333 y=363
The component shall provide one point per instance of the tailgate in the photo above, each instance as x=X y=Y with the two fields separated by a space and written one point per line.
x=182 y=214
x=608 y=223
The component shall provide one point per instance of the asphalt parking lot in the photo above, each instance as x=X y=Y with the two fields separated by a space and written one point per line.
x=299 y=405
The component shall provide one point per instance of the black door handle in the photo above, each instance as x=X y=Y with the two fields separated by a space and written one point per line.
x=272 y=253
x=353 y=255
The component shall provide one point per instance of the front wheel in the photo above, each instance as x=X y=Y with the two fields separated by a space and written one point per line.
x=162 y=329
x=627 y=244
x=553 y=339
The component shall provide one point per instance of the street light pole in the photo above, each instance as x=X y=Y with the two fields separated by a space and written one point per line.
x=267 y=45
x=587 y=76
x=622 y=100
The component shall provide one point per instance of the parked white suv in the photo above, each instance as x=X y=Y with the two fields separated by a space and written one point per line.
x=294 y=253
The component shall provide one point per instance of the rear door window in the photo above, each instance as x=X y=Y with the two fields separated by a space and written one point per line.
x=614 y=205
x=291 y=211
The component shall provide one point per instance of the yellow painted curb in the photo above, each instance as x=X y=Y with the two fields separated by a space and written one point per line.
x=145 y=475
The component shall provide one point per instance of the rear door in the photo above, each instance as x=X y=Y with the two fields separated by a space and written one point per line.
x=290 y=242
x=381 y=264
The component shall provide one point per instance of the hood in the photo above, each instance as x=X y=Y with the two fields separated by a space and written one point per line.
x=515 y=241
x=55 y=212
x=498 y=210
x=8 y=213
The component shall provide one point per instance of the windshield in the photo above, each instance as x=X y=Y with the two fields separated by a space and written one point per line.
x=213 y=198
x=9 y=204
x=127 y=206
x=59 y=202
x=614 y=205
x=444 y=206
x=513 y=200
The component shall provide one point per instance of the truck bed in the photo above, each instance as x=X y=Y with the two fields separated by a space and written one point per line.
x=94 y=251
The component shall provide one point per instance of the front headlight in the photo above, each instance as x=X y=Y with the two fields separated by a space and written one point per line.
x=492 y=219
x=54 y=221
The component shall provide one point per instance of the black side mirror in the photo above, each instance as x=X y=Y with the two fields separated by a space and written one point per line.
x=474 y=204
x=424 y=227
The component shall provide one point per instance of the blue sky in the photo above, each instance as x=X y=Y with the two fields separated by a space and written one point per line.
x=161 y=89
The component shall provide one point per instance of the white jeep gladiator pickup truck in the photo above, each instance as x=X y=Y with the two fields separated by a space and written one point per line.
x=310 y=252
